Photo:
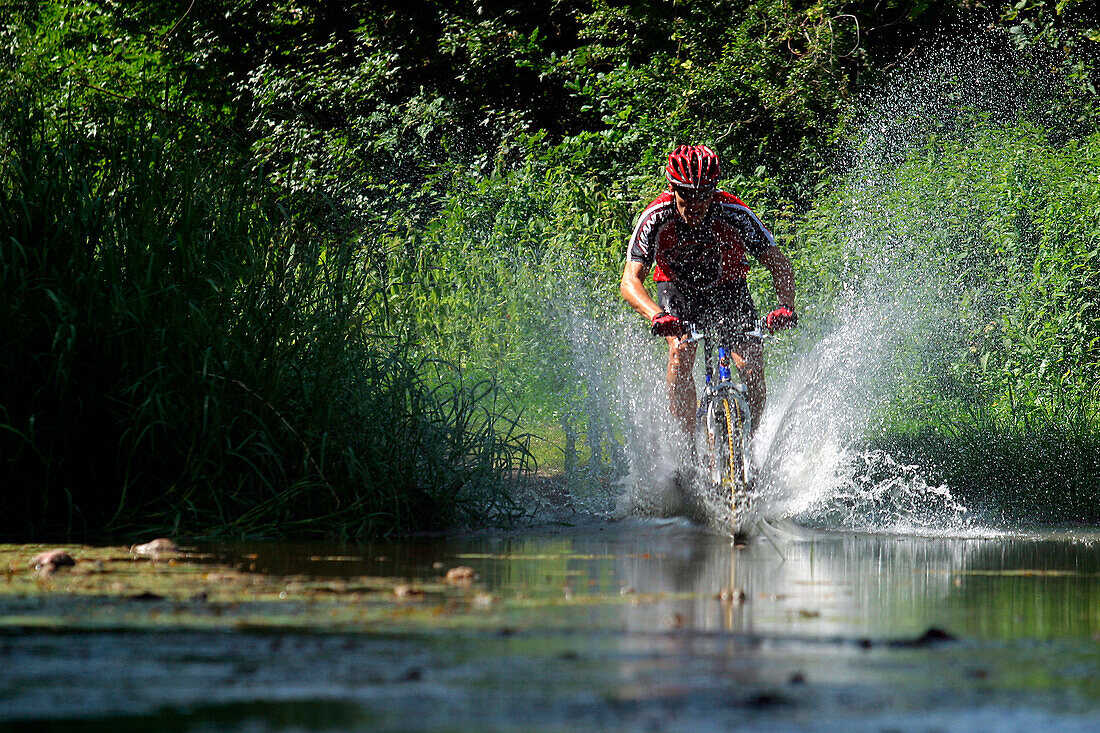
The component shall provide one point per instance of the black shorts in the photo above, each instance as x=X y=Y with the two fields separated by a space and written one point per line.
x=726 y=308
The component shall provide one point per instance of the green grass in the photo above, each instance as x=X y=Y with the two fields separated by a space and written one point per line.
x=181 y=354
x=1014 y=464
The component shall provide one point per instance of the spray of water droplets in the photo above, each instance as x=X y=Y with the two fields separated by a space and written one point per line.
x=895 y=309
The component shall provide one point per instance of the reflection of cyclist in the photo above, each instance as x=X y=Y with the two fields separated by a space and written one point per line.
x=696 y=237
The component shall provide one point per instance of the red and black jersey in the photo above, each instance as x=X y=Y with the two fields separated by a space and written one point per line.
x=698 y=257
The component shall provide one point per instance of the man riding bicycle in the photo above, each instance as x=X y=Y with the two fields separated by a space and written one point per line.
x=696 y=238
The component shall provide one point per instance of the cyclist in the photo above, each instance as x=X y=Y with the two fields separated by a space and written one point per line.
x=696 y=238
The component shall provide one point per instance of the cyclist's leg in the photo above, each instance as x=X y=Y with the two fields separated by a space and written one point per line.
x=682 y=398
x=756 y=391
x=681 y=383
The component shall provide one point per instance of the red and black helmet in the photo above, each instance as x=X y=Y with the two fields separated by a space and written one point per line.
x=693 y=167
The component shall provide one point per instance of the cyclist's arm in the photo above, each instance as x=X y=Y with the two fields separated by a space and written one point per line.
x=633 y=289
x=782 y=273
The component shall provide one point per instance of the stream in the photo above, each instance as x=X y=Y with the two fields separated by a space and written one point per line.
x=638 y=624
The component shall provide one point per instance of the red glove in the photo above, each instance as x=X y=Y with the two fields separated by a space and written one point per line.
x=780 y=318
x=665 y=324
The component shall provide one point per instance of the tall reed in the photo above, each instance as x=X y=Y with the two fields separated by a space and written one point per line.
x=179 y=353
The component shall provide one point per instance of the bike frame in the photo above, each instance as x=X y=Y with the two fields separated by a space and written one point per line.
x=724 y=379
x=723 y=388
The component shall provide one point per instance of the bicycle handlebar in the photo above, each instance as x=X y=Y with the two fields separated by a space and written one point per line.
x=695 y=333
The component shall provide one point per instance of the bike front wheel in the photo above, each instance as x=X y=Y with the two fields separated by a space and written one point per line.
x=731 y=437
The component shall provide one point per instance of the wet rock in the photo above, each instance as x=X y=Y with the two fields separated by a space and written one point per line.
x=461 y=575
x=159 y=546
x=48 y=562
x=225 y=577
x=929 y=638
x=797 y=678
x=147 y=596
x=933 y=635
x=765 y=700
x=484 y=601
x=404 y=590
x=412 y=675
x=736 y=596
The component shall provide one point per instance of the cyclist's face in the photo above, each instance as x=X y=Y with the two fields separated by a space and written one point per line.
x=692 y=206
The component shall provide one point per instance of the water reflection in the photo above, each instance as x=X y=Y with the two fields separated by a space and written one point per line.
x=647 y=575
x=628 y=625
x=844 y=585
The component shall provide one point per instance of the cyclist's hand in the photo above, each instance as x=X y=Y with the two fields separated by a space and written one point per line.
x=780 y=318
x=666 y=324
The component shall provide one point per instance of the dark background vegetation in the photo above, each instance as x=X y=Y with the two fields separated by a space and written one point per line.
x=285 y=267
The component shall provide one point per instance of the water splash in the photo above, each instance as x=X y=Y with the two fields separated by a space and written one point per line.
x=891 y=320
x=895 y=317
x=810 y=447
x=631 y=463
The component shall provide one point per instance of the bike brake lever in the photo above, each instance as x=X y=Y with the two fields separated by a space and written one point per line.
x=692 y=335
x=761 y=331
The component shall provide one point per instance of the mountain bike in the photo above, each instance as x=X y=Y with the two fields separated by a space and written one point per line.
x=722 y=432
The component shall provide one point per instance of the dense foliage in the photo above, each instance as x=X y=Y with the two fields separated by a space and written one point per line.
x=991 y=246
x=268 y=266
x=181 y=354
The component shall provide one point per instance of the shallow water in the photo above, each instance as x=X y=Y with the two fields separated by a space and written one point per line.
x=637 y=624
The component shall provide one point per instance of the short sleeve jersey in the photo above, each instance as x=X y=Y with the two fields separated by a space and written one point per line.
x=698 y=257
